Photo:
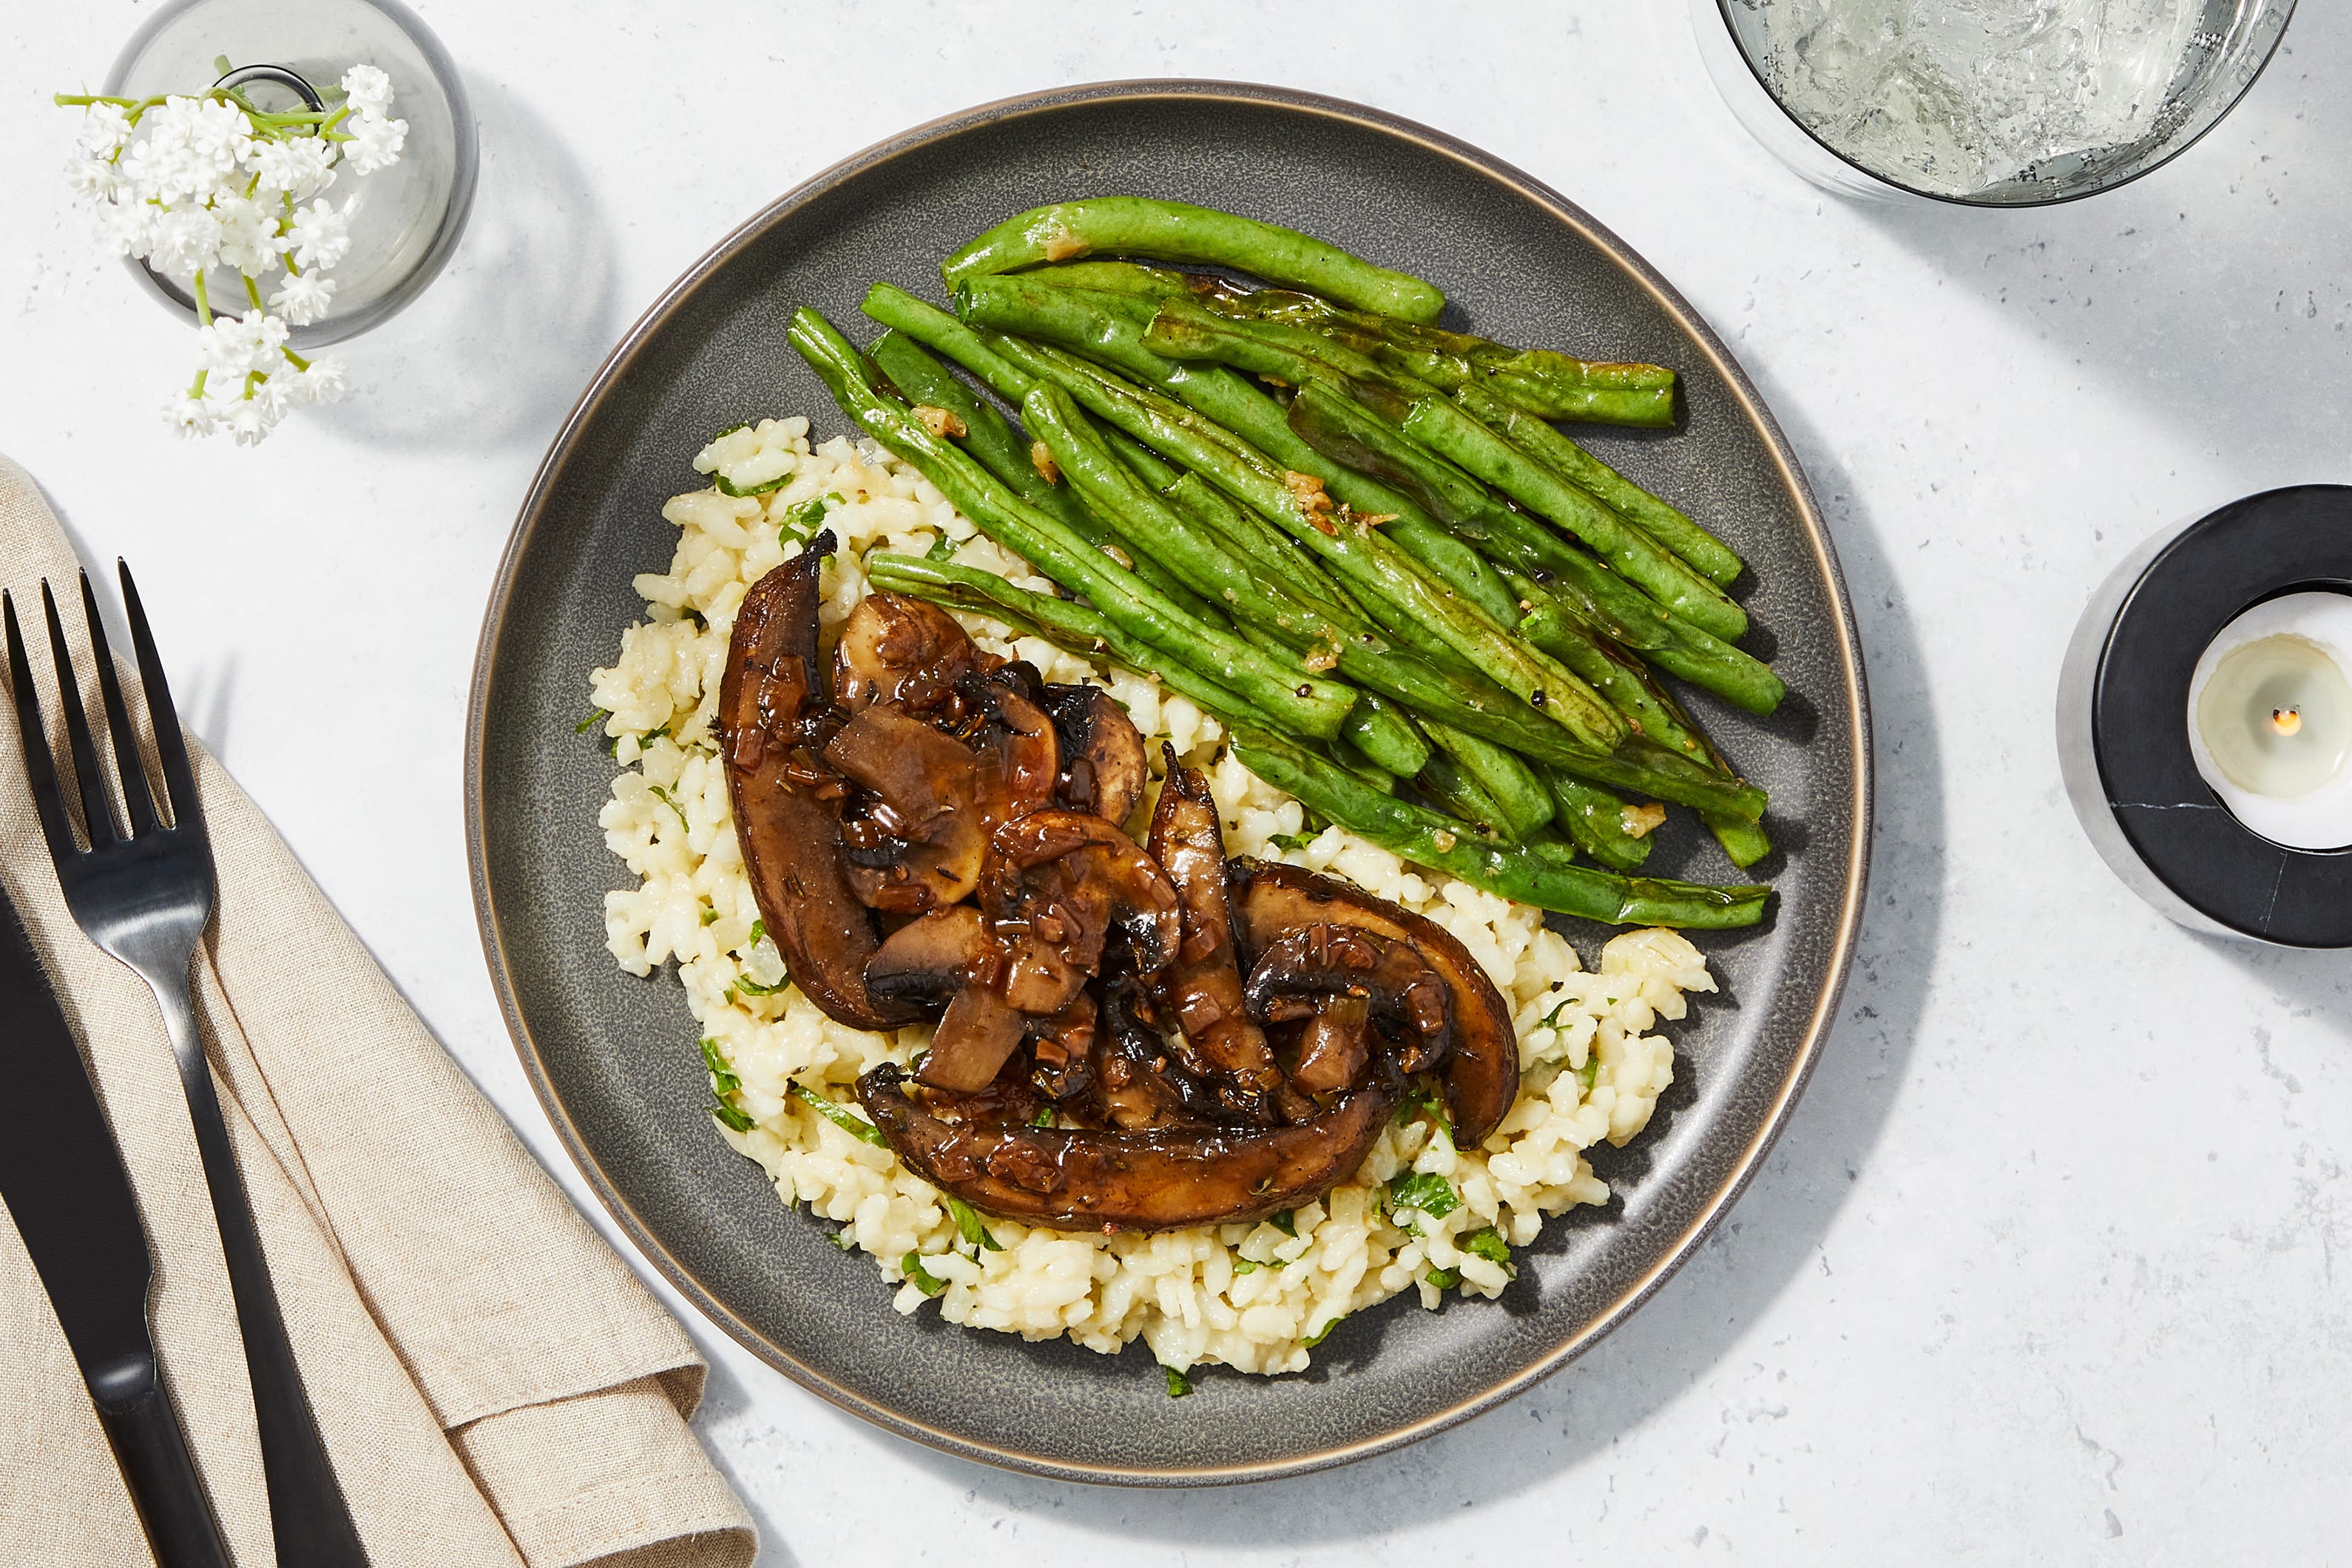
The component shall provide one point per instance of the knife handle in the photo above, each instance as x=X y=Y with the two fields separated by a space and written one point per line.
x=152 y=1450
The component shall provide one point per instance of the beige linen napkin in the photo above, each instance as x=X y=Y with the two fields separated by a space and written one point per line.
x=494 y=1386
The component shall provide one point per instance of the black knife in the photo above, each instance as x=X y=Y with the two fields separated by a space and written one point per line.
x=62 y=1176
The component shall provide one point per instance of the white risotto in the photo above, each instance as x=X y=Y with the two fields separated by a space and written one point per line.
x=1254 y=1296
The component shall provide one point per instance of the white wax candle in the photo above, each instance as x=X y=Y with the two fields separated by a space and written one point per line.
x=2270 y=719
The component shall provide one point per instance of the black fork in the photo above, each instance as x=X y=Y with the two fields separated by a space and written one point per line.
x=143 y=891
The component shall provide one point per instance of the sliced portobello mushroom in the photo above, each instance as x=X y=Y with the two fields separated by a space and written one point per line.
x=1063 y=1050
x=1481 y=1068
x=1203 y=986
x=926 y=960
x=773 y=702
x=1001 y=720
x=1314 y=970
x=949 y=956
x=1060 y=883
x=1141 y=1088
x=924 y=845
x=1088 y=1179
x=1103 y=762
x=897 y=649
x=1335 y=1046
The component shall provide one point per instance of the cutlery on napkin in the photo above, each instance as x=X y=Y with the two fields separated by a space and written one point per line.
x=493 y=1385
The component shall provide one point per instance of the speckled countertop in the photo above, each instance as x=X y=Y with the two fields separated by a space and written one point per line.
x=2042 y=1269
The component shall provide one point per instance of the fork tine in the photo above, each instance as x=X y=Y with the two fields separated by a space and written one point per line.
x=40 y=768
x=97 y=811
x=137 y=800
x=171 y=746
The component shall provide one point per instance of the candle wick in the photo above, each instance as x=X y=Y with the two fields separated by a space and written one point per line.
x=2287 y=721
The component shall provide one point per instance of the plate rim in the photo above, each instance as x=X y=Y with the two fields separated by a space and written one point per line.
x=534 y=512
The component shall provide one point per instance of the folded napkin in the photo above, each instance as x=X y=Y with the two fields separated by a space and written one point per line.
x=494 y=1386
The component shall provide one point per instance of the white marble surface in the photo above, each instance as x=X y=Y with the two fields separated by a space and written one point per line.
x=2042 y=1270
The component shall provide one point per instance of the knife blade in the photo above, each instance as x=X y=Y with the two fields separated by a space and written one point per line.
x=62 y=1177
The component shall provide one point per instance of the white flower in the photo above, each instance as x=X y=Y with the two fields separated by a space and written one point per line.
x=95 y=178
x=239 y=345
x=183 y=241
x=322 y=234
x=192 y=416
x=104 y=128
x=369 y=89
x=302 y=166
x=303 y=298
x=376 y=143
x=192 y=150
x=324 y=381
x=248 y=235
x=129 y=226
x=248 y=421
x=219 y=133
x=277 y=394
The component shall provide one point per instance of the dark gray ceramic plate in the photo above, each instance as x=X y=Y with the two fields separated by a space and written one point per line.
x=613 y=1057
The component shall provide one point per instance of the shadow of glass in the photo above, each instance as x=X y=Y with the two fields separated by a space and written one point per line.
x=495 y=351
x=1778 y=1225
x=2209 y=290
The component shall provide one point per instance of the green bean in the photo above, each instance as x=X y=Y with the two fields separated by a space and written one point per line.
x=1115 y=278
x=1320 y=315
x=1109 y=329
x=1670 y=527
x=1061 y=622
x=1441 y=424
x=1360 y=767
x=1456 y=791
x=1744 y=843
x=1317 y=366
x=936 y=329
x=1540 y=382
x=990 y=439
x=1524 y=876
x=1184 y=330
x=1141 y=459
x=1357 y=555
x=1618 y=676
x=1347 y=432
x=1115 y=493
x=1434 y=687
x=1551 y=385
x=1267 y=551
x=1102 y=326
x=1514 y=786
x=1176 y=231
x=1384 y=731
x=1313 y=705
x=1594 y=820
x=1648 y=707
x=1258 y=419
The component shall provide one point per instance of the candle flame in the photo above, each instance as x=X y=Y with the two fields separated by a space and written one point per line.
x=2287 y=721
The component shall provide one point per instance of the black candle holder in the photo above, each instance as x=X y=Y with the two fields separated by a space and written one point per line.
x=2123 y=720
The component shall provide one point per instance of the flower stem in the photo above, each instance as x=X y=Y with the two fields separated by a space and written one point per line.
x=204 y=303
x=297 y=361
x=196 y=387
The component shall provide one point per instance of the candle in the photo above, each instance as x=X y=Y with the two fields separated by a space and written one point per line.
x=2270 y=719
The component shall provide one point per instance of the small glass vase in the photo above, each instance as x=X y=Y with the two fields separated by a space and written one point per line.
x=408 y=216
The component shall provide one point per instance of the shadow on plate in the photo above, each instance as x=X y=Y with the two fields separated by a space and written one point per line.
x=1732 y=1282
x=494 y=352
